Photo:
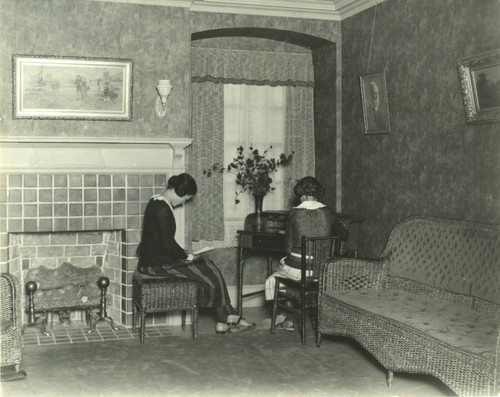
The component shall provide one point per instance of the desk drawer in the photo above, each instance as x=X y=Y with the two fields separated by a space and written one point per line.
x=276 y=241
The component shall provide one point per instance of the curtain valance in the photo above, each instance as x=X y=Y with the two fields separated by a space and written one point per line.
x=252 y=67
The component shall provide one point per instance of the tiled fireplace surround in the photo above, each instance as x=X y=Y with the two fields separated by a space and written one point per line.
x=81 y=201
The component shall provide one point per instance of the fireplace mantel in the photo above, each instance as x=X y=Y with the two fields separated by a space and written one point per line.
x=35 y=154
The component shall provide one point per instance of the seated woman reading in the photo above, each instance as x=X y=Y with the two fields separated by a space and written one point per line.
x=160 y=255
x=310 y=218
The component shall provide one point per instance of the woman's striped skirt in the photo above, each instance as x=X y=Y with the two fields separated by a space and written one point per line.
x=213 y=291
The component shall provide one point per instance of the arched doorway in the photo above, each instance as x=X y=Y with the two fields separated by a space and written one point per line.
x=326 y=102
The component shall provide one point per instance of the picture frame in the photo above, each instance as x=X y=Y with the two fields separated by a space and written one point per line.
x=71 y=88
x=375 y=104
x=479 y=78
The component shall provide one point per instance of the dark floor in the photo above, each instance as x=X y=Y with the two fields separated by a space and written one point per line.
x=255 y=363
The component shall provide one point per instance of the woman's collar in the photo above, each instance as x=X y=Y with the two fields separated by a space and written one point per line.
x=162 y=198
x=310 y=205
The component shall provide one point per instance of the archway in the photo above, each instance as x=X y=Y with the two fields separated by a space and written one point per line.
x=326 y=103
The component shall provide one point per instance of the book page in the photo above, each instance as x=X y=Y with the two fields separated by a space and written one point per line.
x=202 y=250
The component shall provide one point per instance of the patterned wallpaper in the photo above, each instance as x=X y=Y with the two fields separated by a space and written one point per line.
x=432 y=163
x=157 y=39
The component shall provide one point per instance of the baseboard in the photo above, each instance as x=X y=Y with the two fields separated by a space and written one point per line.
x=252 y=301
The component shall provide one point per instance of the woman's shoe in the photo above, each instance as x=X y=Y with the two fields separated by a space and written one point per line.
x=287 y=325
x=221 y=328
x=266 y=323
x=238 y=324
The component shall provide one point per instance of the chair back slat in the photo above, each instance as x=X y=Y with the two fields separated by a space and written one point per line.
x=315 y=250
x=304 y=293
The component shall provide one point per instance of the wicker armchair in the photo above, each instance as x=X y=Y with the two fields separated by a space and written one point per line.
x=430 y=304
x=10 y=324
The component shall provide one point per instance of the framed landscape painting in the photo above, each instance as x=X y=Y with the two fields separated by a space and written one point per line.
x=71 y=88
x=480 y=83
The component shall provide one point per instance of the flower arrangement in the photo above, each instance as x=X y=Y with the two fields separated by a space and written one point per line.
x=253 y=171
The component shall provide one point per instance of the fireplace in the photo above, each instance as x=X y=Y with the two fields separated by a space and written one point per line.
x=81 y=201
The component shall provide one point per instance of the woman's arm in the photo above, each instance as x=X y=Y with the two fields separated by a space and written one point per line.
x=167 y=227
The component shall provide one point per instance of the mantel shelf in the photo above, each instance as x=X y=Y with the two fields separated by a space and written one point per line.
x=82 y=154
x=174 y=143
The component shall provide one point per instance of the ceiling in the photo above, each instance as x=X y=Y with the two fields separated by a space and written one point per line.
x=332 y=10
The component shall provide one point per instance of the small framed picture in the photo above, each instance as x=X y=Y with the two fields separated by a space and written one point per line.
x=375 y=104
x=480 y=83
x=74 y=88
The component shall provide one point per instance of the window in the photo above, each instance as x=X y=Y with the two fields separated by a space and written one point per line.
x=253 y=116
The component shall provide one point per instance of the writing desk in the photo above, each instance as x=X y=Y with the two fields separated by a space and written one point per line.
x=271 y=240
x=253 y=241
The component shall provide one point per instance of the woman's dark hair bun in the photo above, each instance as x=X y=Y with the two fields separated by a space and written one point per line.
x=309 y=186
x=183 y=185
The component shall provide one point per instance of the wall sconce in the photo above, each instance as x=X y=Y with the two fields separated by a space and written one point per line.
x=163 y=88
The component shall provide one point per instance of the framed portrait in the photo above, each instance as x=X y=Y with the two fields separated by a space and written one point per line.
x=375 y=104
x=480 y=82
x=71 y=88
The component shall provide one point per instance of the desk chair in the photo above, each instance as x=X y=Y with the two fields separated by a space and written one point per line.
x=303 y=293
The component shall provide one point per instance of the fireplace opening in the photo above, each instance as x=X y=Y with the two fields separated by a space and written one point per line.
x=83 y=250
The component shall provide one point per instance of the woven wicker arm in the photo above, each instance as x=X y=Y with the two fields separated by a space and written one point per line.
x=10 y=321
x=352 y=273
x=497 y=364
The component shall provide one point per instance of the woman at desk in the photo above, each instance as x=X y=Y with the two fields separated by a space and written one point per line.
x=310 y=218
x=160 y=255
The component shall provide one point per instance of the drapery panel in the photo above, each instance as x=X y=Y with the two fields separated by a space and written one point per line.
x=208 y=143
x=299 y=137
x=211 y=69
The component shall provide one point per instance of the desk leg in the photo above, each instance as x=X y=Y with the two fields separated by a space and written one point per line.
x=269 y=265
x=240 y=281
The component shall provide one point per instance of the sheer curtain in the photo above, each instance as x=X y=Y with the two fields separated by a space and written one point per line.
x=253 y=116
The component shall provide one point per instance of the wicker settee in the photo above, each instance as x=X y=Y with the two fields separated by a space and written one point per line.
x=429 y=305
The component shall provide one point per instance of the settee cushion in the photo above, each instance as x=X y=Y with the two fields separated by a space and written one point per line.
x=449 y=322
x=460 y=257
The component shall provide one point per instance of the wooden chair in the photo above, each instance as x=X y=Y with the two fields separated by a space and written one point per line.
x=154 y=294
x=303 y=293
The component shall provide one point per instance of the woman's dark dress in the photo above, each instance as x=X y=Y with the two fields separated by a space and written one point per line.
x=160 y=255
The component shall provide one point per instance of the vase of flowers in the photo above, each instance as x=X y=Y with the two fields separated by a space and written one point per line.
x=253 y=174
x=253 y=171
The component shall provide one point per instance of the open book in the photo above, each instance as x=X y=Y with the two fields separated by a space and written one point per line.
x=202 y=250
